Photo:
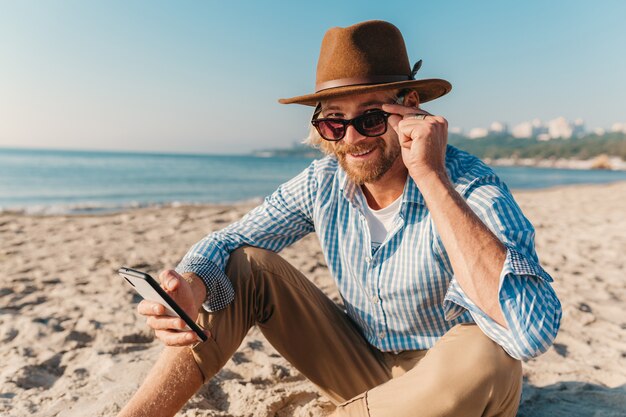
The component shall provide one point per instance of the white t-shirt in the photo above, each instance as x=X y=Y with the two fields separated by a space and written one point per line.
x=380 y=221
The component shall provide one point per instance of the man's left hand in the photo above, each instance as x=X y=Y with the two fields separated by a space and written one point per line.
x=423 y=141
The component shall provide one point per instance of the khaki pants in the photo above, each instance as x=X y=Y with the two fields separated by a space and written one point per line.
x=464 y=374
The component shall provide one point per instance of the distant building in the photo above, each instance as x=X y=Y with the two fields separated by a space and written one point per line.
x=523 y=130
x=478 y=132
x=618 y=127
x=555 y=128
x=529 y=129
x=559 y=128
x=579 y=128
x=562 y=128
x=498 y=127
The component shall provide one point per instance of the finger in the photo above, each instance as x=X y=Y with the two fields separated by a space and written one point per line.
x=150 y=308
x=170 y=279
x=172 y=338
x=402 y=110
x=166 y=323
x=410 y=130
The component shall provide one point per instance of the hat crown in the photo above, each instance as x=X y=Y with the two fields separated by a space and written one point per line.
x=366 y=57
x=371 y=48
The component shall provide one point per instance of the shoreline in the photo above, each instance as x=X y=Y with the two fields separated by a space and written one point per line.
x=97 y=211
x=598 y=163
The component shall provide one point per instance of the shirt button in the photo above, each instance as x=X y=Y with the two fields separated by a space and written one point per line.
x=374 y=299
x=381 y=335
x=368 y=259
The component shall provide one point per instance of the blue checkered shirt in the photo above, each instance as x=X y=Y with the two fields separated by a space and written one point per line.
x=403 y=295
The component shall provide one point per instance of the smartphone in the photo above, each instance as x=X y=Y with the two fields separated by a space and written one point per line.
x=150 y=290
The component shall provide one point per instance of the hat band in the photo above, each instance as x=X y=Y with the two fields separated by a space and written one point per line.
x=373 y=79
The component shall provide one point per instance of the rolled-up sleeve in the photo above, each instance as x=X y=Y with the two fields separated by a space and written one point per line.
x=529 y=304
x=284 y=217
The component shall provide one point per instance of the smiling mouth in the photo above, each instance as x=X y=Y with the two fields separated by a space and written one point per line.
x=361 y=153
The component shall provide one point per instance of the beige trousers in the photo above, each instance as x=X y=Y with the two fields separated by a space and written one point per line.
x=464 y=374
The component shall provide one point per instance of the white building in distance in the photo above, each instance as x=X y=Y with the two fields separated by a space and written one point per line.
x=498 y=127
x=477 y=132
x=529 y=129
x=481 y=132
x=555 y=128
x=618 y=127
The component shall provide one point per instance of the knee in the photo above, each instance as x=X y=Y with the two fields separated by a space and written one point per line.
x=251 y=257
x=483 y=360
x=489 y=364
x=250 y=262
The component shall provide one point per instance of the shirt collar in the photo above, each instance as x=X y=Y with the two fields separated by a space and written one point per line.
x=354 y=194
x=411 y=193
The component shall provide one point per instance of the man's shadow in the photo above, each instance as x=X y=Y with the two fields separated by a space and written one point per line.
x=572 y=398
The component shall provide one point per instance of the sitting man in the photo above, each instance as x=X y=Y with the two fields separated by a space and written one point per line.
x=434 y=260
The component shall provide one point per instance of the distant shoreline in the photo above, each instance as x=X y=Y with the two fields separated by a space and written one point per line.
x=601 y=162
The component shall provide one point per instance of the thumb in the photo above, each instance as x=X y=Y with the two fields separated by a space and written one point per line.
x=172 y=283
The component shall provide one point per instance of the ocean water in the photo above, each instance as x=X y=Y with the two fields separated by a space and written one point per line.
x=55 y=181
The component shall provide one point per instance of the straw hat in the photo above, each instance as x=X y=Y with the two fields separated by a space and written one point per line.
x=366 y=57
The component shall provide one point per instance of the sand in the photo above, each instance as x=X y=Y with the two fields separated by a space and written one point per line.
x=72 y=344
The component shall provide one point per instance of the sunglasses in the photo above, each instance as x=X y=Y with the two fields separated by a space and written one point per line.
x=370 y=124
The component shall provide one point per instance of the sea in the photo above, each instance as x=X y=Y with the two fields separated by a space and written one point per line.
x=78 y=182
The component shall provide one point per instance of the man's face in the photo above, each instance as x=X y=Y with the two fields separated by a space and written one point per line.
x=364 y=159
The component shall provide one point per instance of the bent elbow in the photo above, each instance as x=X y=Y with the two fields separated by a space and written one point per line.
x=538 y=333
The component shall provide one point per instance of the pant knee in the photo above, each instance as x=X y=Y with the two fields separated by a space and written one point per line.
x=251 y=257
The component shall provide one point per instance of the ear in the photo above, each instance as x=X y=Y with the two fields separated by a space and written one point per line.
x=412 y=99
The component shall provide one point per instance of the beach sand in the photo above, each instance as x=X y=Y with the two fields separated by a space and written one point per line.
x=72 y=344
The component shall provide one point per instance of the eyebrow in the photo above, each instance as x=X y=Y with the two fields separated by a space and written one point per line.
x=366 y=104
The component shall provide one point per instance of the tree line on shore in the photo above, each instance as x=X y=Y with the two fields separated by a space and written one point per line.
x=497 y=146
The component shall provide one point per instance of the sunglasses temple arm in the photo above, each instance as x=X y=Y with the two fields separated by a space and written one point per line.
x=317 y=111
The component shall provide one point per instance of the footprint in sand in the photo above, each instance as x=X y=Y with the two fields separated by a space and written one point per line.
x=561 y=349
x=43 y=375
x=80 y=339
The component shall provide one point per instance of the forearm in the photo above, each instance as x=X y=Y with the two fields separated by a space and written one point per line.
x=477 y=256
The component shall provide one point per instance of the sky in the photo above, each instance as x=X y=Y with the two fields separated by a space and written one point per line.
x=205 y=76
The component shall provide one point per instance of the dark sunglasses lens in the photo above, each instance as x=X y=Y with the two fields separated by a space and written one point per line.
x=331 y=130
x=372 y=124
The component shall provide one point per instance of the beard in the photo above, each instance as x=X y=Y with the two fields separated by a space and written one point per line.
x=372 y=169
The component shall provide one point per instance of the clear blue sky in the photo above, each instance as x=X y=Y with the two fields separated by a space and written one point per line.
x=206 y=76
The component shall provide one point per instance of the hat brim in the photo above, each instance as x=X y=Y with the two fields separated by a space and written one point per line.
x=427 y=89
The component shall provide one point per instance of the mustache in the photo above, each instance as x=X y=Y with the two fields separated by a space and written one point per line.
x=343 y=150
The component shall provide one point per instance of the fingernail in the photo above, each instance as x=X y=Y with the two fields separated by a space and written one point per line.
x=155 y=309
x=190 y=336
x=170 y=283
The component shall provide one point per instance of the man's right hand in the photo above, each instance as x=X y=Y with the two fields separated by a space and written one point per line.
x=187 y=291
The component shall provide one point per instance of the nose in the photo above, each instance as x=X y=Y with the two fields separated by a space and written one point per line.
x=352 y=136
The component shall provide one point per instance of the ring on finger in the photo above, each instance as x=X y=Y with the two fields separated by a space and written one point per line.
x=418 y=116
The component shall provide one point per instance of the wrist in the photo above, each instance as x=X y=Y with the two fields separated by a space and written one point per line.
x=431 y=178
x=198 y=288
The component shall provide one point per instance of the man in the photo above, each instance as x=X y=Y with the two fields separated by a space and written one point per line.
x=435 y=262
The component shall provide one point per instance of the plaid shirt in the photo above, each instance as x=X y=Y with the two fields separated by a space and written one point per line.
x=404 y=294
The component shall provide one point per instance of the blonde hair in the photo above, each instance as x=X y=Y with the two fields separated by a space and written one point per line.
x=314 y=140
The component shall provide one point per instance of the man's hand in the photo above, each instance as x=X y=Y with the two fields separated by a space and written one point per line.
x=188 y=291
x=423 y=141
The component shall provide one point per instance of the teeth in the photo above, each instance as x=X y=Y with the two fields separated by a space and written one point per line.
x=362 y=153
